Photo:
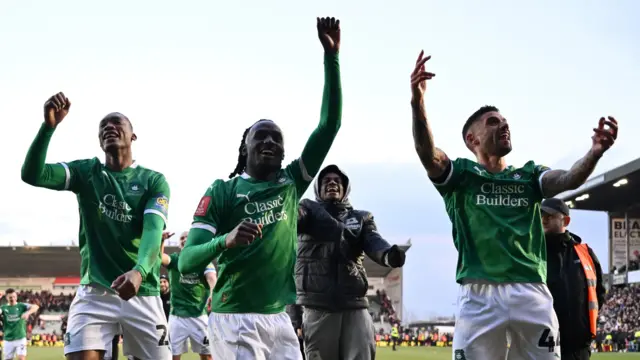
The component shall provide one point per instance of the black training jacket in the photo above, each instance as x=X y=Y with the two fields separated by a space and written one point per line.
x=332 y=241
x=568 y=285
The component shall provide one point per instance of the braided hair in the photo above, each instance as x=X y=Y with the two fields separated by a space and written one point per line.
x=242 y=159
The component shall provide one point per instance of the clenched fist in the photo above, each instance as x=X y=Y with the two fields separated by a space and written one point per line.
x=244 y=234
x=127 y=284
x=55 y=109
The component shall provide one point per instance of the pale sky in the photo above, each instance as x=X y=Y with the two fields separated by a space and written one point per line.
x=192 y=77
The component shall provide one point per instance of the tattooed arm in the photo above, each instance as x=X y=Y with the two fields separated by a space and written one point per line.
x=434 y=160
x=554 y=182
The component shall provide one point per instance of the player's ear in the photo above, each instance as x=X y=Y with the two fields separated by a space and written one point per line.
x=243 y=151
x=134 y=137
x=469 y=140
x=567 y=220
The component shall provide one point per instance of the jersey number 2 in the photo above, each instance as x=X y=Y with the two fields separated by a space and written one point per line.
x=547 y=340
x=163 y=337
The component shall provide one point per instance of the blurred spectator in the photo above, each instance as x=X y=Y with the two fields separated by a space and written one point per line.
x=47 y=302
x=387 y=312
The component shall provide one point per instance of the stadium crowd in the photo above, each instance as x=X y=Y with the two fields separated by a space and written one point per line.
x=619 y=325
x=620 y=320
x=387 y=311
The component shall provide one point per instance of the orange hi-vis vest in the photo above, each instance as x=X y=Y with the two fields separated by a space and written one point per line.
x=592 y=280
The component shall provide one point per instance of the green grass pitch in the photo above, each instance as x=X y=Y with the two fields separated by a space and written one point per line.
x=383 y=354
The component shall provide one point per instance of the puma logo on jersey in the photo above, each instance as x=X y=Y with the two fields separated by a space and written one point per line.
x=246 y=196
x=480 y=171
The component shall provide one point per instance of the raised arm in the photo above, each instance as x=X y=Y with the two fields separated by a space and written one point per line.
x=321 y=139
x=434 y=160
x=166 y=259
x=554 y=182
x=34 y=170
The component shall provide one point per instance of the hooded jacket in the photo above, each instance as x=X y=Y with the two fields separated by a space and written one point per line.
x=568 y=286
x=332 y=241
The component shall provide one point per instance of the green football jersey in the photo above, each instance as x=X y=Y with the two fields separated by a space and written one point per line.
x=496 y=221
x=15 y=327
x=258 y=278
x=189 y=292
x=112 y=205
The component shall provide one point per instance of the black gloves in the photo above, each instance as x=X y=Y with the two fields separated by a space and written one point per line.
x=396 y=257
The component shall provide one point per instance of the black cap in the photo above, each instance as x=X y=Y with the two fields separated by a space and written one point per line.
x=554 y=206
x=163 y=276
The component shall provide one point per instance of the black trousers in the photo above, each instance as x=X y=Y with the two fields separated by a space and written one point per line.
x=581 y=354
x=302 y=347
x=115 y=350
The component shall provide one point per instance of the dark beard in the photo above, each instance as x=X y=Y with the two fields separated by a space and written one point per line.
x=503 y=150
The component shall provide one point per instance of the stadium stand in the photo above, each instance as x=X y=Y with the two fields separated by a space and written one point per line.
x=40 y=272
x=619 y=318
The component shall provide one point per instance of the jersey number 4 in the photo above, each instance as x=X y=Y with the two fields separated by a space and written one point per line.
x=163 y=336
x=547 y=340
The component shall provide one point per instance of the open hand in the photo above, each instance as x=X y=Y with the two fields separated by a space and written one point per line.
x=419 y=77
x=603 y=138
x=25 y=316
x=243 y=234
x=329 y=34
x=55 y=109
x=127 y=284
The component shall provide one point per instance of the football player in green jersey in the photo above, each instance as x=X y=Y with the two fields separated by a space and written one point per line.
x=497 y=230
x=123 y=211
x=189 y=297
x=15 y=315
x=252 y=219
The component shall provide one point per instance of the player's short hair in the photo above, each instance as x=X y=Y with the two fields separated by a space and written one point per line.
x=122 y=116
x=9 y=291
x=475 y=117
x=126 y=118
x=242 y=158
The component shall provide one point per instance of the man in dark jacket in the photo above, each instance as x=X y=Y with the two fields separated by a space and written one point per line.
x=330 y=277
x=574 y=277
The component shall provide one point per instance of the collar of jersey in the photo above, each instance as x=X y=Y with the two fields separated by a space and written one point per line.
x=134 y=165
x=506 y=169
x=248 y=177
